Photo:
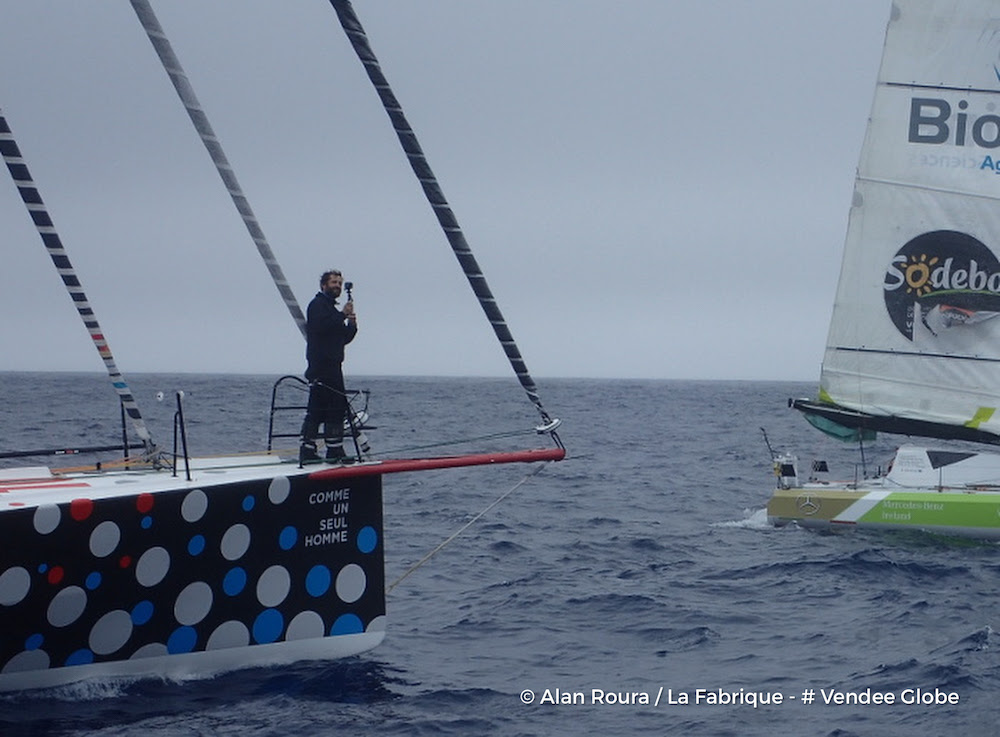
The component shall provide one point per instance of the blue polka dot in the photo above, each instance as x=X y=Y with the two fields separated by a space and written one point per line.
x=34 y=642
x=288 y=537
x=80 y=657
x=268 y=626
x=93 y=581
x=318 y=580
x=182 y=640
x=248 y=503
x=196 y=545
x=146 y=522
x=142 y=612
x=347 y=624
x=234 y=581
x=43 y=567
x=367 y=539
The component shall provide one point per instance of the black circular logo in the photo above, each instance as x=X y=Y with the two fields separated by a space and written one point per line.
x=945 y=271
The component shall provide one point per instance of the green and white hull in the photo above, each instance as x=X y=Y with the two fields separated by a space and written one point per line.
x=936 y=491
x=964 y=514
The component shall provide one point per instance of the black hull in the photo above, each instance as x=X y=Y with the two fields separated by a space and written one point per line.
x=198 y=575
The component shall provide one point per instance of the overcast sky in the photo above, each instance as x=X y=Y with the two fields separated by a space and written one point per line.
x=654 y=188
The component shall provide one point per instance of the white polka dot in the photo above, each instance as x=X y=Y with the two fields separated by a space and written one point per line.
x=47 y=518
x=351 y=583
x=194 y=506
x=152 y=566
x=104 y=539
x=277 y=492
x=273 y=586
x=235 y=542
x=27 y=660
x=152 y=650
x=111 y=632
x=305 y=626
x=377 y=624
x=67 y=606
x=14 y=585
x=228 y=634
x=193 y=603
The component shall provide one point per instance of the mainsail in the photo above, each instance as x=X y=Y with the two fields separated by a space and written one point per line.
x=914 y=341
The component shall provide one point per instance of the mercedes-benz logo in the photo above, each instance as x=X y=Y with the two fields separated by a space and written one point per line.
x=807 y=505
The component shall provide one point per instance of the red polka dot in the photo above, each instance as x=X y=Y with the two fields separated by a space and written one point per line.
x=55 y=574
x=125 y=561
x=144 y=503
x=80 y=509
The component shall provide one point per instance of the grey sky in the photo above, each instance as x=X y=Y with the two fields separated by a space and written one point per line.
x=654 y=188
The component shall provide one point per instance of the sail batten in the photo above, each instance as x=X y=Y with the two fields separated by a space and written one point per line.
x=914 y=86
x=915 y=331
x=914 y=354
x=927 y=188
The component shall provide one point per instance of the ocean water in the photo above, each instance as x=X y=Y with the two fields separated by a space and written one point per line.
x=640 y=568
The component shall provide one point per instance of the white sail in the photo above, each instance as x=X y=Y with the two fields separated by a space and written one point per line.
x=915 y=332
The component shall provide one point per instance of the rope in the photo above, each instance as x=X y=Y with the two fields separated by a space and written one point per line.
x=32 y=199
x=185 y=91
x=435 y=196
x=465 y=527
x=458 y=442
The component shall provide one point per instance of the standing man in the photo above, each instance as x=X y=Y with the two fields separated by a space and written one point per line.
x=328 y=330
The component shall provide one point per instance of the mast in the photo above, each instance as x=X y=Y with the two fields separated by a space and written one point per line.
x=32 y=199
x=435 y=196
x=172 y=66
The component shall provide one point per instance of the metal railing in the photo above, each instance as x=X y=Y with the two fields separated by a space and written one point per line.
x=355 y=420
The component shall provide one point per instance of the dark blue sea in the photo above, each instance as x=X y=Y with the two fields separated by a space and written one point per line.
x=642 y=562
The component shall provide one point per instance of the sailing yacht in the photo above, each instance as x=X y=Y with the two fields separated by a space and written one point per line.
x=161 y=564
x=914 y=341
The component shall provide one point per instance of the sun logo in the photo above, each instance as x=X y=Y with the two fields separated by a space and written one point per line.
x=918 y=274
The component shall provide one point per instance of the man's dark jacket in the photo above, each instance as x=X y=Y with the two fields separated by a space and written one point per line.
x=326 y=335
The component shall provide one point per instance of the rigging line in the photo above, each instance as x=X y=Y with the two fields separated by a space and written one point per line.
x=435 y=196
x=390 y=452
x=32 y=199
x=172 y=66
x=466 y=526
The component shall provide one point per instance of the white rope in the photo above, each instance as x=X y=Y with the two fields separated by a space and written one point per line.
x=465 y=527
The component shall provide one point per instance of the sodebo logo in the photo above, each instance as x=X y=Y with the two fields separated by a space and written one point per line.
x=942 y=269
